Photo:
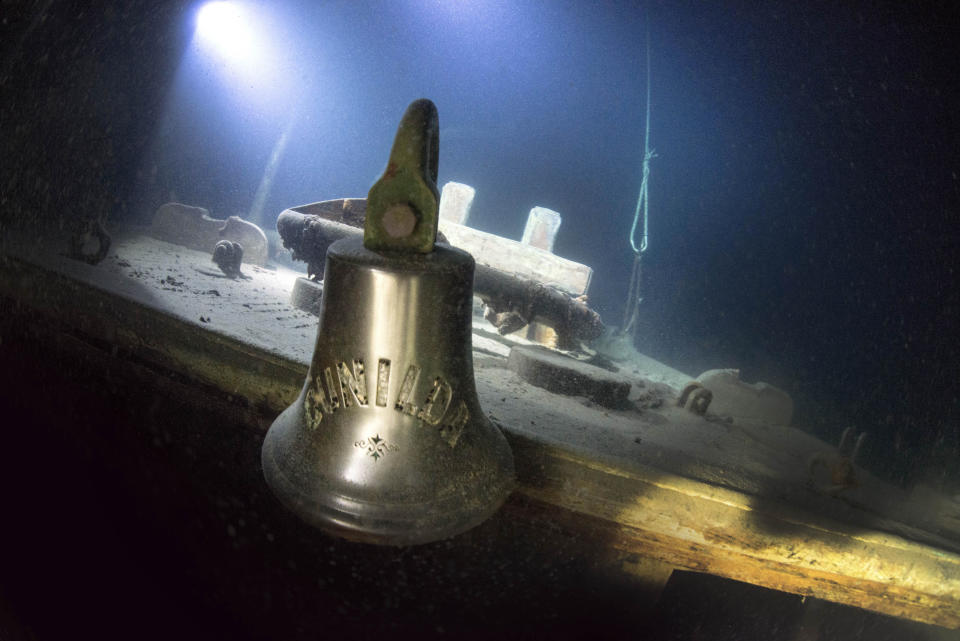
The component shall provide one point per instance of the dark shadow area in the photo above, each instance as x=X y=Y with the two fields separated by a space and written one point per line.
x=697 y=606
x=134 y=507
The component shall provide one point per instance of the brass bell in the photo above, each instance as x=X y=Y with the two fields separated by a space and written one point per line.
x=387 y=442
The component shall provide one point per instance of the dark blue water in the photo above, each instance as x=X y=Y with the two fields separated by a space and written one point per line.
x=803 y=204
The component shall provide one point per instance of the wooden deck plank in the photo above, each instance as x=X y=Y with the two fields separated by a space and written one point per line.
x=704 y=528
x=525 y=260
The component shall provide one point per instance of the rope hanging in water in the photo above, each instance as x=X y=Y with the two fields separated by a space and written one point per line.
x=635 y=291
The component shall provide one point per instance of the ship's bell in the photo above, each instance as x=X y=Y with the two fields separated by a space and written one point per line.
x=387 y=442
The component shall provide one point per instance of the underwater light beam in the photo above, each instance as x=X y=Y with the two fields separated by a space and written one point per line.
x=226 y=28
x=234 y=38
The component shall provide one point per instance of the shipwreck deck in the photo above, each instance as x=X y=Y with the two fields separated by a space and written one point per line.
x=732 y=499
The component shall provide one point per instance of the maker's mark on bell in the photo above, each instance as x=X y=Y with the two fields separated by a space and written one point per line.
x=376 y=447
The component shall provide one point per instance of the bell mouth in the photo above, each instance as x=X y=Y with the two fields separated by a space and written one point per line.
x=462 y=503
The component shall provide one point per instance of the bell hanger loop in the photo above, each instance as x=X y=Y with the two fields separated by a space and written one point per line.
x=403 y=205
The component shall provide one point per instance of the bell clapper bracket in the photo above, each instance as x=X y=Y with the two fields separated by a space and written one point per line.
x=403 y=205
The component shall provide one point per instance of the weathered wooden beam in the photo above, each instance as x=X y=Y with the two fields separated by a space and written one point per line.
x=541 y=232
x=541 y=228
x=696 y=526
x=524 y=260
x=309 y=235
x=488 y=249
x=456 y=199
